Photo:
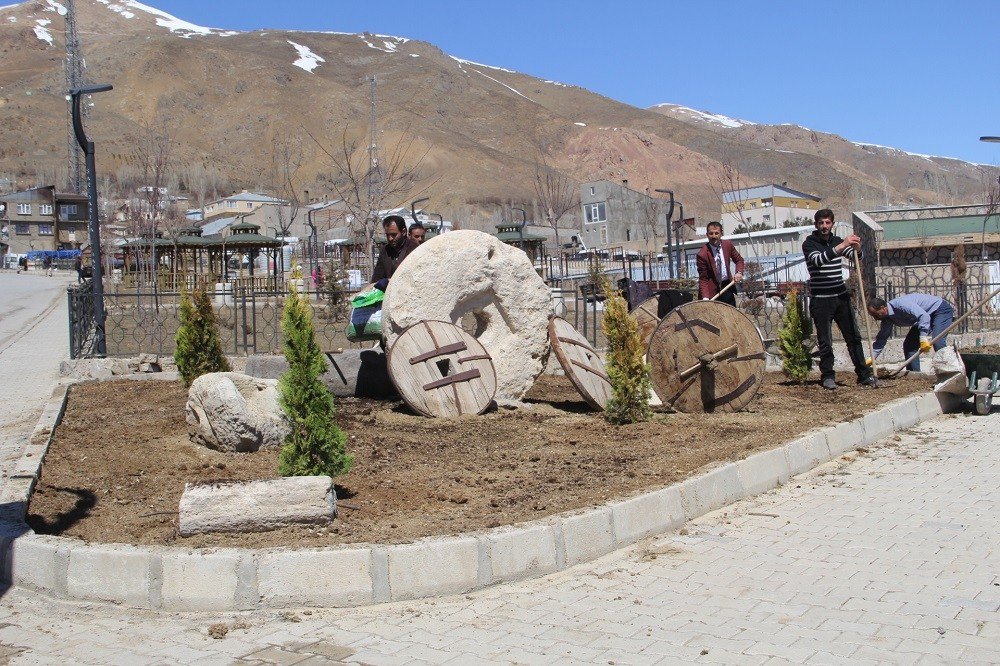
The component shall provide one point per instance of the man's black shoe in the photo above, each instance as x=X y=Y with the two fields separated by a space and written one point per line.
x=867 y=382
x=829 y=384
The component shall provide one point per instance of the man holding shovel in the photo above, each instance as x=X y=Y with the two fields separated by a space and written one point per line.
x=925 y=315
x=714 y=272
x=829 y=301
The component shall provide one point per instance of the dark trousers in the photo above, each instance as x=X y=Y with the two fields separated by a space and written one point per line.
x=826 y=311
x=728 y=297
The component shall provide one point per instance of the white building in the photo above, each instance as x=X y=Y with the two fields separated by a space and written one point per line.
x=772 y=206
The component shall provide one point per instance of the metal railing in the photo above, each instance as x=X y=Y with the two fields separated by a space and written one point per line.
x=80 y=304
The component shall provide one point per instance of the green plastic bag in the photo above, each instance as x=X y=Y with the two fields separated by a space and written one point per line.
x=368 y=297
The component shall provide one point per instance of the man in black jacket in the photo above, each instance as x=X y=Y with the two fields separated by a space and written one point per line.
x=397 y=246
x=829 y=301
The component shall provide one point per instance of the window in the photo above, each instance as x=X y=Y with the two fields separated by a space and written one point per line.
x=592 y=191
x=24 y=209
x=230 y=204
x=44 y=229
x=595 y=212
x=604 y=235
x=249 y=205
x=65 y=210
x=22 y=229
x=45 y=209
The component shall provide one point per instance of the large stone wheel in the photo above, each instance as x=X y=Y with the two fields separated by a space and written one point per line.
x=706 y=357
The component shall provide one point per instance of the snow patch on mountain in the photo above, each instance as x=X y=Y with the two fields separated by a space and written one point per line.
x=56 y=7
x=861 y=144
x=42 y=32
x=461 y=62
x=390 y=42
x=307 y=59
x=716 y=118
x=163 y=19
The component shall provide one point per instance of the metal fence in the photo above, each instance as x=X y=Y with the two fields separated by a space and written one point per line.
x=80 y=305
x=249 y=321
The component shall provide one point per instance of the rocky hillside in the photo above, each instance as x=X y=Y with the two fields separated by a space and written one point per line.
x=233 y=101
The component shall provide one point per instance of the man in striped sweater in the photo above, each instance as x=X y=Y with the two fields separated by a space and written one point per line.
x=829 y=301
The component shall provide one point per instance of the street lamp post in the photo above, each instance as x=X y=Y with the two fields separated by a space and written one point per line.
x=313 y=251
x=670 y=214
x=440 y=218
x=677 y=237
x=95 y=229
x=524 y=221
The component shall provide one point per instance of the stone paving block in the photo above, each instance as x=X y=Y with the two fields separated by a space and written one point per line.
x=763 y=471
x=337 y=577
x=587 y=535
x=647 y=514
x=807 y=452
x=199 y=580
x=433 y=567
x=116 y=573
x=519 y=552
x=706 y=493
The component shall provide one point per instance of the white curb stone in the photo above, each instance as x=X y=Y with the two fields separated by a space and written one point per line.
x=200 y=581
x=109 y=573
x=587 y=535
x=904 y=414
x=433 y=567
x=710 y=491
x=520 y=552
x=340 y=577
x=642 y=516
x=39 y=563
x=763 y=471
x=807 y=452
x=877 y=425
x=845 y=437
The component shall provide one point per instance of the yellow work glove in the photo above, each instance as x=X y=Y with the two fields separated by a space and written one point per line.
x=925 y=345
x=868 y=362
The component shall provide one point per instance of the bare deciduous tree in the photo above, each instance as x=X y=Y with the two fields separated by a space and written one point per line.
x=990 y=177
x=555 y=195
x=370 y=179
x=729 y=184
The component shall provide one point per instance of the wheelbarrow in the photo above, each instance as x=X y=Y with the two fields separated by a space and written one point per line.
x=977 y=368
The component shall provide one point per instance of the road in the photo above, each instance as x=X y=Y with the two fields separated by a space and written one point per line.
x=34 y=338
x=889 y=555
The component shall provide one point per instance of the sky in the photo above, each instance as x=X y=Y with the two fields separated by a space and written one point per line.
x=918 y=75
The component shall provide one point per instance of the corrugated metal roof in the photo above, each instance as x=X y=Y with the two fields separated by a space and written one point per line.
x=217 y=226
x=961 y=224
x=765 y=192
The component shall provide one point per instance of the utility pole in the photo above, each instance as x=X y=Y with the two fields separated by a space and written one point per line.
x=74 y=66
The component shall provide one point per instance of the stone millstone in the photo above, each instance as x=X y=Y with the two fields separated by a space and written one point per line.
x=470 y=272
x=256 y=506
x=230 y=411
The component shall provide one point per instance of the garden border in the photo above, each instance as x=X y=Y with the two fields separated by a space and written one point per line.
x=228 y=579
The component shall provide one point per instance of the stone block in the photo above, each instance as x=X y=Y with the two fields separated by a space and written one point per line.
x=39 y=563
x=929 y=406
x=433 y=567
x=904 y=413
x=520 y=552
x=200 y=580
x=361 y=373
x=256 y=506
x=844 y=437
x=763 y=471
x=650 y=513
x=710 y=491
x=340 y=577
x=119 y=574
x=807 y=452
x=587 y=536
x=877 y=425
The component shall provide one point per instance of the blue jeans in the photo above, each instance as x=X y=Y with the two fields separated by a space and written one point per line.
x=940 y=320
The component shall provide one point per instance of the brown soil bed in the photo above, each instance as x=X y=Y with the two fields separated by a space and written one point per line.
x=120 y=459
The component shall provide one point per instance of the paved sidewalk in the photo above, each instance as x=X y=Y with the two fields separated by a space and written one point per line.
x=894 y=556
